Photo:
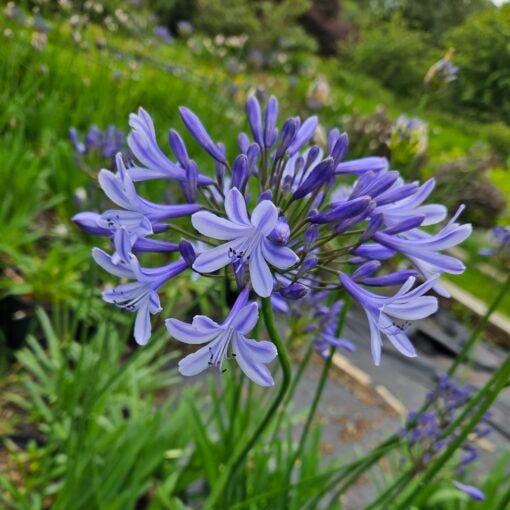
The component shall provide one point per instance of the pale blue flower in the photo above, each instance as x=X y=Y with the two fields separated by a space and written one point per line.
x=247 y=240
x=226 y=341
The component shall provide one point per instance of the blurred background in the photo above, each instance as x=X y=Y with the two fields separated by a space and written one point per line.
x=425 y=84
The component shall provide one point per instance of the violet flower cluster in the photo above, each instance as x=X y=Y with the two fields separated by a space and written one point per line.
x=427 y=438
x=282 y=218
x=501 y=244
x=99 y=144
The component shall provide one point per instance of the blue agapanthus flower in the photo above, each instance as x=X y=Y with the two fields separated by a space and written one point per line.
x=426 y=431
x=281 y=218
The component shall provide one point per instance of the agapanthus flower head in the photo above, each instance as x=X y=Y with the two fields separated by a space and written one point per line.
x=426 y=432
x=100 y=145
x=440 y=74
x=268 y=219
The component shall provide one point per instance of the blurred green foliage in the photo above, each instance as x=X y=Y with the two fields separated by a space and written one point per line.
x=482 y=47
x=397 y=55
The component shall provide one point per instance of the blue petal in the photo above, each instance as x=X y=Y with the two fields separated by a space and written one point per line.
x=213 y=226
x=195 y=363
x=143 y=324
x=278 y=256
x=188 y=333
x=235 y=207
x=251 y=357
x=216 y=258
x=246 y=319
x=265 y=217
x=260 y=275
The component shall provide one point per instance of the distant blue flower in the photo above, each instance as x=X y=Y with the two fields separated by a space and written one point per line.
x=225 y=341
x=247 y=240
x=390 y=314
x=470 y=490
x=163 y=33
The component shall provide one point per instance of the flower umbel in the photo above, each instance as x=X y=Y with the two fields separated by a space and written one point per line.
x=271 y=221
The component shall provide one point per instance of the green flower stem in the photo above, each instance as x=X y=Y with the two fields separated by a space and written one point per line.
x=479 y=329
x=505 y=501
x=491 y=394
x=241 y=453
x=295 y=381
x=449 y=430
x=318 y=392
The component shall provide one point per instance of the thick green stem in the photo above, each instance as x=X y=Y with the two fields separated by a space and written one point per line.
x=479 y=329
x=241 y=453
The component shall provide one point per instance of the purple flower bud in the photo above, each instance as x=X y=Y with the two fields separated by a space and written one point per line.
x=351 y=222
x=317 y=177
x=253 y=153
x=197 y=130
x=340 y=148
x=310 y=236
x=254 y=119
x=303 y=135
x=397 y=193
x=78 y=146
x=373 y=226
x=308 y=264
x=342 y=211
x=360 y=166
x=387 y=280
x=287 y=184
x=190 y=185
x=365 y=270
x=178 y=147
x=239 y=171
x=286 y=136
x=333 y=136
x=88 y=221
x=281 y=233
x=265 y=195
x=294 y=291
x=312 y=155
x=472 y=492
x=187 y=252
x=299 y=164
x=405 y=225
x=270 y=119
x=244 y=142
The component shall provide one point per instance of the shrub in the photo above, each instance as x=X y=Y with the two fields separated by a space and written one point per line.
x=394 y=54
x=483 y=54
x=269 y=25
x=465 y=181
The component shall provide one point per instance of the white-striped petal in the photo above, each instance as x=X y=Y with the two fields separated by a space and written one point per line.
x=260 y=275
x=246 y=319
x=264 y=217
x=143 y=324
x=235 y=207
x=216 y=258
x=213 y=226
x=188 y=334
x=281 y=257
x=195 y=363
x=248 y=362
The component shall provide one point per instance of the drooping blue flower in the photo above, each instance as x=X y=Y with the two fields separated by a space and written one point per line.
x=390 y=314
x=423 y=249
x=119 y=188
x=140 y=296
x=247 y=240
x=144 y=146
x=226 y=341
